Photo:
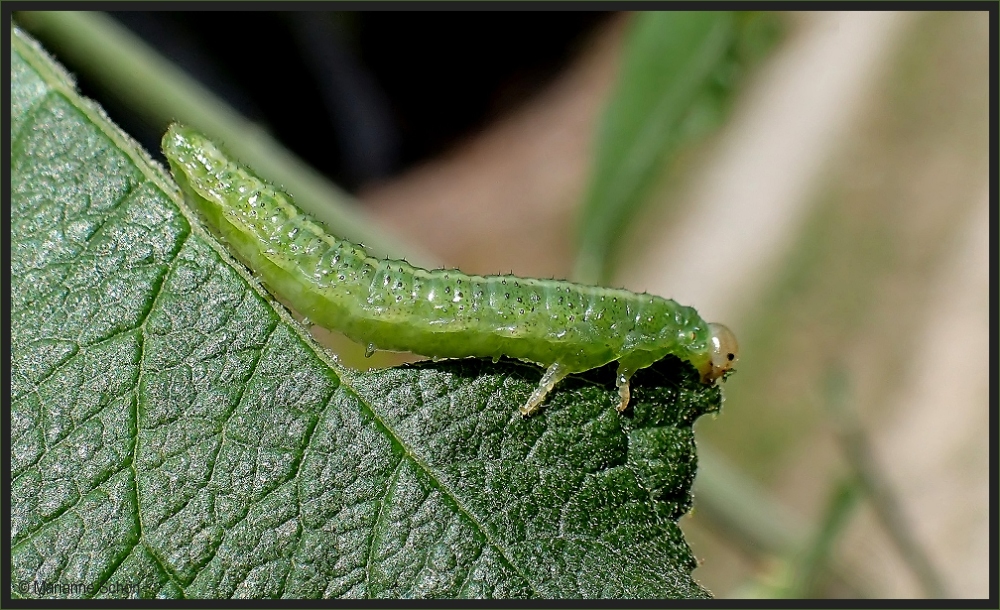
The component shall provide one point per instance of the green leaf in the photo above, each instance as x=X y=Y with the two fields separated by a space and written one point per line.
x=677 y=78
x=175 y=433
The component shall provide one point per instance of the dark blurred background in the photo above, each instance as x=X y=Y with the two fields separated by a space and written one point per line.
x=372 y=92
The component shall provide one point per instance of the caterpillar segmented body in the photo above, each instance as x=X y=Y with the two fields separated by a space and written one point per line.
x=391 y=305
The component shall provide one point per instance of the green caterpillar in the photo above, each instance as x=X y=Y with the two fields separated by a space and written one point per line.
x=391 y=305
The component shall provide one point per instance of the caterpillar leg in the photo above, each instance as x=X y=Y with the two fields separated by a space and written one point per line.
x=553 y=375
x=623 y=395
x=623 y=391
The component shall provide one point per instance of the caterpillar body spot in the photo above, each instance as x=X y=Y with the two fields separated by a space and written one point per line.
x=391 y=305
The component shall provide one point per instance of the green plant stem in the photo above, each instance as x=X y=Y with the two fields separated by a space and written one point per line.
x=814 y=562
x=753 y=521
x=153 y=87
x=858 y=451
x=743 y=510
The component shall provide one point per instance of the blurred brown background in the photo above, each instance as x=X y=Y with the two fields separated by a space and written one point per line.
x=839 y=221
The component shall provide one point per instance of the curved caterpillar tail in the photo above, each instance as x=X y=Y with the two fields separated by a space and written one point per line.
x=391 y=305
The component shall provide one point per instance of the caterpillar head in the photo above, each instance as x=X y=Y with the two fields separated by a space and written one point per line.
x=724 y=351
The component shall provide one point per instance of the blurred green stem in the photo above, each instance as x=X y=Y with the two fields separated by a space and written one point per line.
x=858 y=451
x=742 y=509
x=122 y=64
x=813 y=563
x=749 y=518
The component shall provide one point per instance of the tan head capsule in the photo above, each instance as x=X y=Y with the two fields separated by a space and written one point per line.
x=724 y=351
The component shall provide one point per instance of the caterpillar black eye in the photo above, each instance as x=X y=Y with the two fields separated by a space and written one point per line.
x=724 y=352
